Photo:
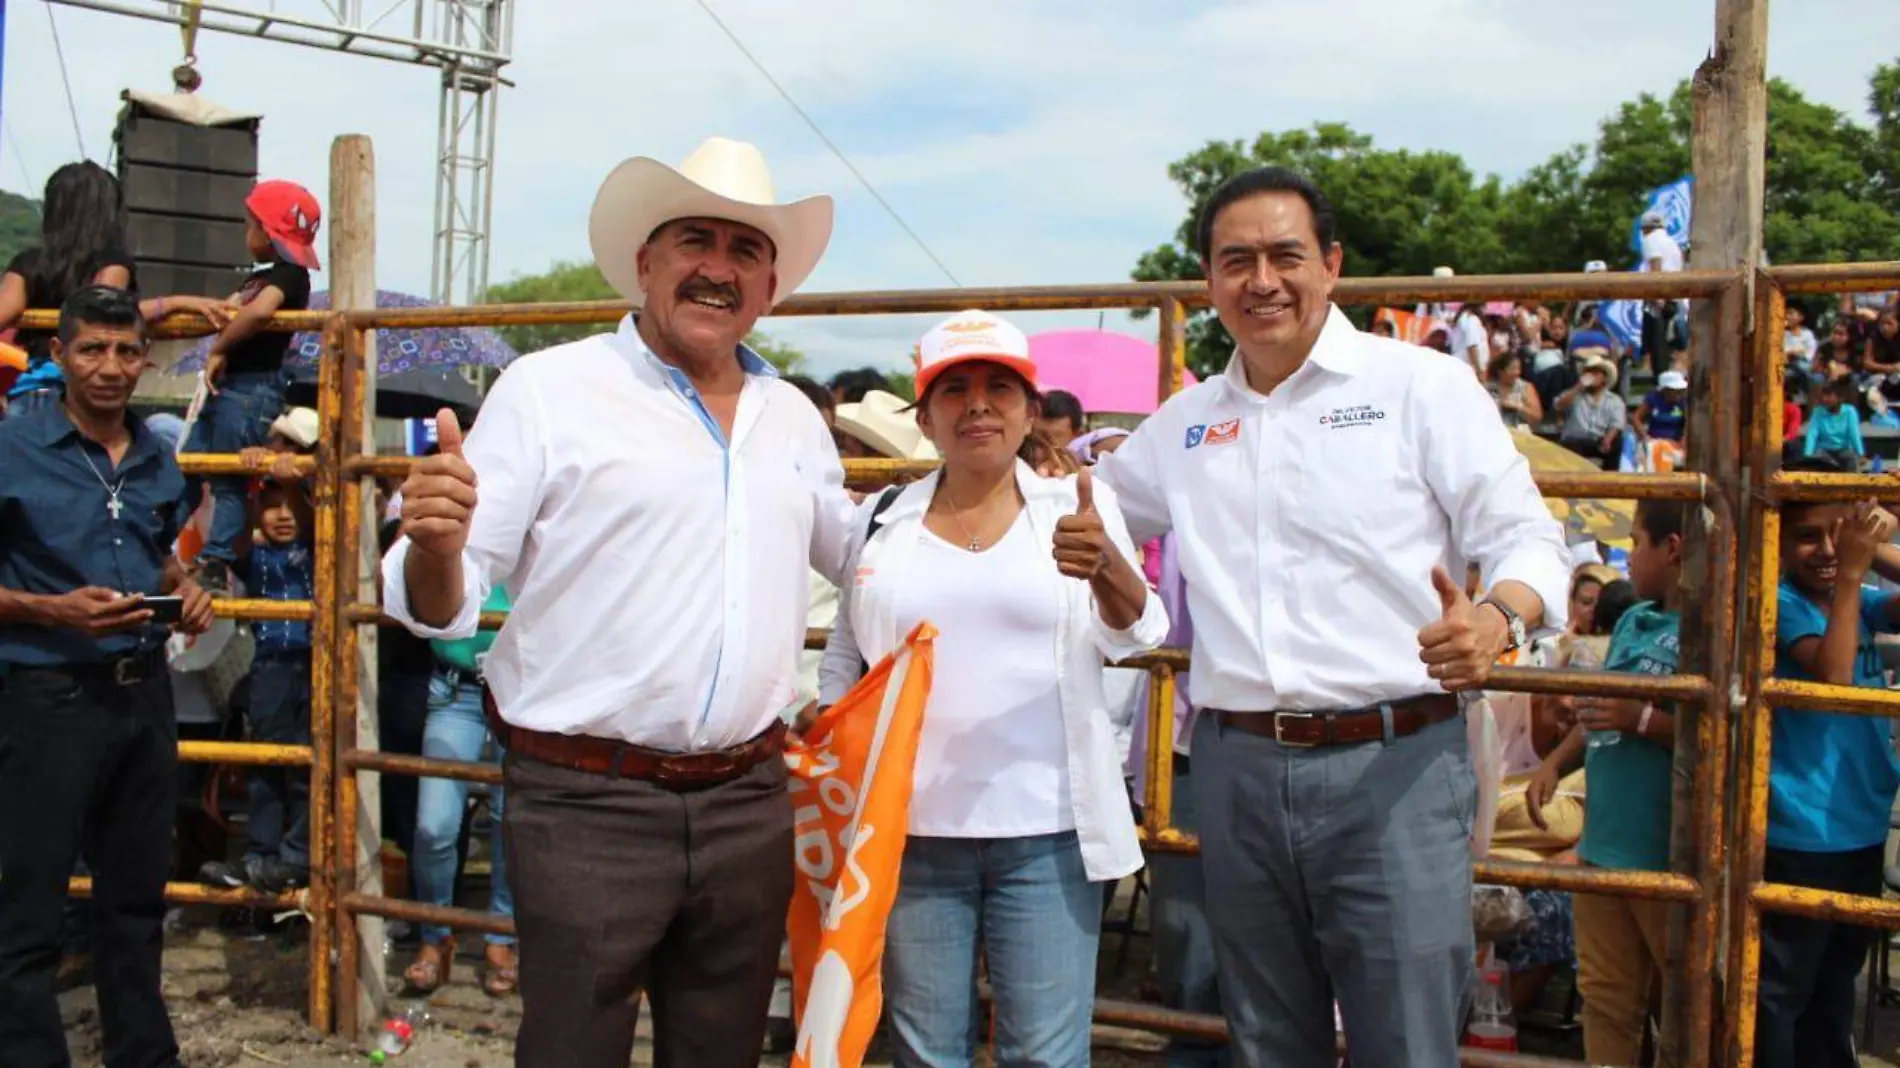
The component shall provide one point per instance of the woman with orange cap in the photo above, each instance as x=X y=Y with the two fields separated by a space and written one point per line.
x=1018 y=811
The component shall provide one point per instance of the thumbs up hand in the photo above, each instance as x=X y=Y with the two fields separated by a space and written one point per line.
x=1464 y=644
x=438 y=497
x=1082 y=548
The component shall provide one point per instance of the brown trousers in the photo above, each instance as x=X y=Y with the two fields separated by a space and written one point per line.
x=622 y=886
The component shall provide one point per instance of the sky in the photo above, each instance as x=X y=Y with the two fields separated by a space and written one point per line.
x=1025 y=141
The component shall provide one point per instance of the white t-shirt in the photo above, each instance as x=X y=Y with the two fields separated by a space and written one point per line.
x=1467 y=333
x=1658 y=245
x=992 y=761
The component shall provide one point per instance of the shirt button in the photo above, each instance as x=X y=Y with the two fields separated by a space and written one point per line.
x=118 y=541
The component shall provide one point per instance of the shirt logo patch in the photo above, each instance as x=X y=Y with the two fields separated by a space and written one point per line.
x=1357 y=415
x=1195 y=433
x=1223 y=433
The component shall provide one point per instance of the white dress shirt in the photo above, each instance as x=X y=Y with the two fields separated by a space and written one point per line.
x=658 y=576
x=1309 y=521
x=868 y=629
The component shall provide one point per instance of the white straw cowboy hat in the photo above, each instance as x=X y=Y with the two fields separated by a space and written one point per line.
x=885 y=422
x=1593 y=359
x=722 y=179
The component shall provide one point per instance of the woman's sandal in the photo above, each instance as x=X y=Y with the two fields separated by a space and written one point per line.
x=431 y=968
x=500 y=970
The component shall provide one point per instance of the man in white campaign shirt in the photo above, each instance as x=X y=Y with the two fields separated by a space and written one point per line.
x=651 y=499
x=1323 y=491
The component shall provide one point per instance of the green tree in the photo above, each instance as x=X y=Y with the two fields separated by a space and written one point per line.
x=579 y=280
x=19 y=224
x=1833 y=194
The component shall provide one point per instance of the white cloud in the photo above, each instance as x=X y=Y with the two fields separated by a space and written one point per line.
x=1027 y=143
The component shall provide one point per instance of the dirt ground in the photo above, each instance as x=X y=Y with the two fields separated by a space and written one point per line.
x=238 y=1000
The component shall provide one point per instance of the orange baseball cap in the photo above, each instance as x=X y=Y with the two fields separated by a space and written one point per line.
x=968 y=337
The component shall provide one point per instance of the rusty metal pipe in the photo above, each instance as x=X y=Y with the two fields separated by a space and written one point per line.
x=354 y=760
x=323 y=671
x=456 y=919
x=211 y=463
x=1814 y=486
x=1567 y=485
x=199 y=894
x=1827 y=905
x=1602 y=683
x=1823 y=697
x=254 y=610
x=1836 y=277
x=190 y=324
x=254 y=754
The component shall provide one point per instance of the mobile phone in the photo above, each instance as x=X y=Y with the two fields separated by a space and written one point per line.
x=165 y=610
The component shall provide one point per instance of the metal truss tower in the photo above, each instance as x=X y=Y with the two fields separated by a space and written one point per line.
x=468 y=41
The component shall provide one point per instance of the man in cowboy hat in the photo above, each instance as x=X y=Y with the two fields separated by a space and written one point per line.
x=1594 y=414
x=651 y=499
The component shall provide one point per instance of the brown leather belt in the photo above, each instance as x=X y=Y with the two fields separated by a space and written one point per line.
x=623 y=760
x=1312 y=730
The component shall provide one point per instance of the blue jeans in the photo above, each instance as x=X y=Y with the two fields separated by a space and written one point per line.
x=1028 y=905
x=1183 y=944
x=278 y=819
x=456 y=730
x=237 y=417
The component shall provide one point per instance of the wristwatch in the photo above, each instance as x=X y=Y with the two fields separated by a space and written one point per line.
x=1513 y=624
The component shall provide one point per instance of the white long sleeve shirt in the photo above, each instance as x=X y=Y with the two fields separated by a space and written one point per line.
x=658 y=575
x=1308 y=521
x=868 y=628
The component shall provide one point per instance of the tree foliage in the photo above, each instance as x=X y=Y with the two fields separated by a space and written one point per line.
x=1833 y=194
x=19 y=225
x=575 y=281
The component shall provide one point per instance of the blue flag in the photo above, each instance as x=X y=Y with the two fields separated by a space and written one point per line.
x=1624 y=320
x=1674 y=202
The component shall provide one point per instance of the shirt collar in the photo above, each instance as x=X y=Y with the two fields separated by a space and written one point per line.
x=56 y=427
x=915 y=498
x=1337 y=349
x=628 y=334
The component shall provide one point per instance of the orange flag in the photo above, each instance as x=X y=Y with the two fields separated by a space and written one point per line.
x=850 y=787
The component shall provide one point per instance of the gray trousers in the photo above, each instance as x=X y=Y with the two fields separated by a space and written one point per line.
x=622 y=886
x=1340 y=873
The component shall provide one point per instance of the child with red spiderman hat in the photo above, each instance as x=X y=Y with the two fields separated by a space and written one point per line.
x=245 y=370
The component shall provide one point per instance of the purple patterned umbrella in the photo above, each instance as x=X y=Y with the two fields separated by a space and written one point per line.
x=397 y=351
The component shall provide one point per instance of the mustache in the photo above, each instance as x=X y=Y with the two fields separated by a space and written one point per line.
x=696 y=287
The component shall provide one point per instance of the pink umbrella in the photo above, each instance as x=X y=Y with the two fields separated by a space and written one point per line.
x=1107 y=372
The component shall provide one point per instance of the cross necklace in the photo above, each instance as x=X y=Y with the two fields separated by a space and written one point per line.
x=114 y=504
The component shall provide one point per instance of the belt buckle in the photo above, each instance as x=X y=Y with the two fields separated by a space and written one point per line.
x=124 y=672
x=1279 y=733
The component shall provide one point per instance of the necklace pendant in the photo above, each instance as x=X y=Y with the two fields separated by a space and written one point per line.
x=975 y=546
x=114 y=506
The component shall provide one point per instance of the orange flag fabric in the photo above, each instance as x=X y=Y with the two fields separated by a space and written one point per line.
x=850 y=789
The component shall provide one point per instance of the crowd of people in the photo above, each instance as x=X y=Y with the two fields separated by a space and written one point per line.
x=1297 y=519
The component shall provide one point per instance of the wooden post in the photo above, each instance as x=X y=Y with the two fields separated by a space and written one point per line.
x=353 y=287
x=1729 y=146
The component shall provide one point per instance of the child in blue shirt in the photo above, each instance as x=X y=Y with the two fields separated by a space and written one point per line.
x=1834 y=429
x=1629 y=748
x=281 y=568
x=1832 y=777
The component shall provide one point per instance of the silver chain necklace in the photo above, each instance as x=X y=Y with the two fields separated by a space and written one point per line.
x=114 y=504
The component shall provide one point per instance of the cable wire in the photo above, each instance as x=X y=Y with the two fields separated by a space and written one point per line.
x=835 y=150
x=19 y=158
x=60 y=51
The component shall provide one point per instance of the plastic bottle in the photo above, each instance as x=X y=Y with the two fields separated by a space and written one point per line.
x=398 y=1033
x=1492 y=1025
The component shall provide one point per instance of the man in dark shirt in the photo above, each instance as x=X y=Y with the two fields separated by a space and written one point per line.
x=246 y=366
x=89 y=511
